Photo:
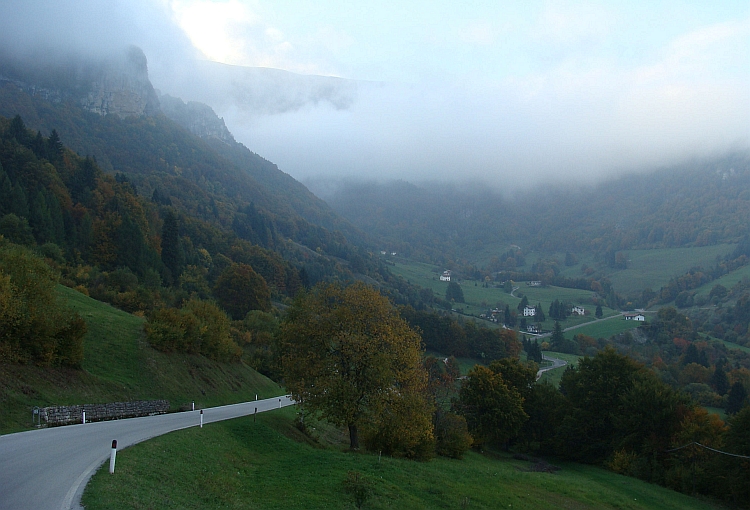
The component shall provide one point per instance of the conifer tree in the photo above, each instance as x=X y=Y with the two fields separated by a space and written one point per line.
x=170 y=245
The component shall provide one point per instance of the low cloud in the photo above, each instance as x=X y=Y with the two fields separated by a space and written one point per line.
x=582 y=119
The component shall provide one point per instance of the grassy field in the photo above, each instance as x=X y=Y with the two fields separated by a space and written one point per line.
x=479 y=299
x=270 y=465
x=654 y=268
x=603 y=329
x=728 y=281
x=119 y=366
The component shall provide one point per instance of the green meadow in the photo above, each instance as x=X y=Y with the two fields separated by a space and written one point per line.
x=479 y=299
x=654 y=268
x=271 y=465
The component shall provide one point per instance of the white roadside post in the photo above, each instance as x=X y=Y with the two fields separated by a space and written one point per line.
x=112 y=457
x=83 y=420
x=201 y=418
x=193 y=405
x=279 y=403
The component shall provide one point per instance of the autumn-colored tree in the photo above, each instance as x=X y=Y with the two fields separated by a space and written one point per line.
x=200 y=327
x=240 y=289
x=348 y=355
x=34 y=326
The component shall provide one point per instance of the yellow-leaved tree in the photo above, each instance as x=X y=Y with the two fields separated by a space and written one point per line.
x=348 y=355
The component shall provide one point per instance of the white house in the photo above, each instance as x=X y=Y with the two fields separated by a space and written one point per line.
x=529 y=311
x=446 y=276
x=534 y=329
x=635 y=317
x=534 y=283
x=578 y=310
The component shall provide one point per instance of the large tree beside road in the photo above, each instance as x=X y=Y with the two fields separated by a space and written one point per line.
x=347 y=355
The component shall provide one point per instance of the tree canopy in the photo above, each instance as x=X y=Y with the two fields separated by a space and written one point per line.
x=348 y=355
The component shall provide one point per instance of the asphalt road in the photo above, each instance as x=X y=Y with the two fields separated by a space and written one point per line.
x=48 y=468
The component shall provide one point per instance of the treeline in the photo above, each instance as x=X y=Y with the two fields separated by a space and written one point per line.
x=613 y=412
x=681 y=352
x=450 y=337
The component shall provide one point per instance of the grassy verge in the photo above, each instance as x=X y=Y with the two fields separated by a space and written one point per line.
x=119 y=366
x=270 y=465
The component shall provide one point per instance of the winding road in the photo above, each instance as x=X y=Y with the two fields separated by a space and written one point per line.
x=48 y=468
x=556 y=363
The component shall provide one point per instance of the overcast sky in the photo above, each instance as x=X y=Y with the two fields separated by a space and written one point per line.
x=505 y=92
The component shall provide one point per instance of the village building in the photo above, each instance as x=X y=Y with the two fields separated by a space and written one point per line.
x=578 y=310
x=446 y=276
x=635 y=317
x=529 y=311
x=534 y=329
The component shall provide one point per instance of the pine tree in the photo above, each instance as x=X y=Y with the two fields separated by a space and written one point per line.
x=54 y=146
x=6 y=192
x=170 y=245
x=18 y=131
x=736 y=398
x=599 y=311
x=557 y=340
x=19 y=205
x=719 y=380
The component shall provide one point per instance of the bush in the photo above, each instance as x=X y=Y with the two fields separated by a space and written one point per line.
x=34 y=326
x=358 y=487
x=452 y=435
x=198 y=328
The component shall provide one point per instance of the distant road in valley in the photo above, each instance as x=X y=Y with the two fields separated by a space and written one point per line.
x=556 y=363
x=48 y=468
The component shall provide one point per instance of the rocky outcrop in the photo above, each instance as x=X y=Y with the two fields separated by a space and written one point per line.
x=198 y=118
x=116 y=85
x=122 y=87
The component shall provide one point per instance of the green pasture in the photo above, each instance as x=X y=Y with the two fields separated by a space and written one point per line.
x=479 y=299
x=604 y=328
x=270 y=465
x=728 y=280
x=120 y=366
x=654 y=268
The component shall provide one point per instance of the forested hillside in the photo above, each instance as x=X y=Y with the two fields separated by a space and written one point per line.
x=217 y=182
x=694 y=204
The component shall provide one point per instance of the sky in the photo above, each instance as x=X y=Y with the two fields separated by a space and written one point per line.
x=507 y=93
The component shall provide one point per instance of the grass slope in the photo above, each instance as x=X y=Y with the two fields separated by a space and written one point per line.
x=241 y=464
x=654 y=268
x=119 y=366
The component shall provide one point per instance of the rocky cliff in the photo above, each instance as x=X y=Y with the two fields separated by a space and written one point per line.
x=117 y=85
x=198 y=118
x=122 y=87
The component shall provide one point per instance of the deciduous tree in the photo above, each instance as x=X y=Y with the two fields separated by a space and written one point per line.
x=348 y=355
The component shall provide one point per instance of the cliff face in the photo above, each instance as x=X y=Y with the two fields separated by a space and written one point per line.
x=198 y=118
x=118 y=85
x=122 y=87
